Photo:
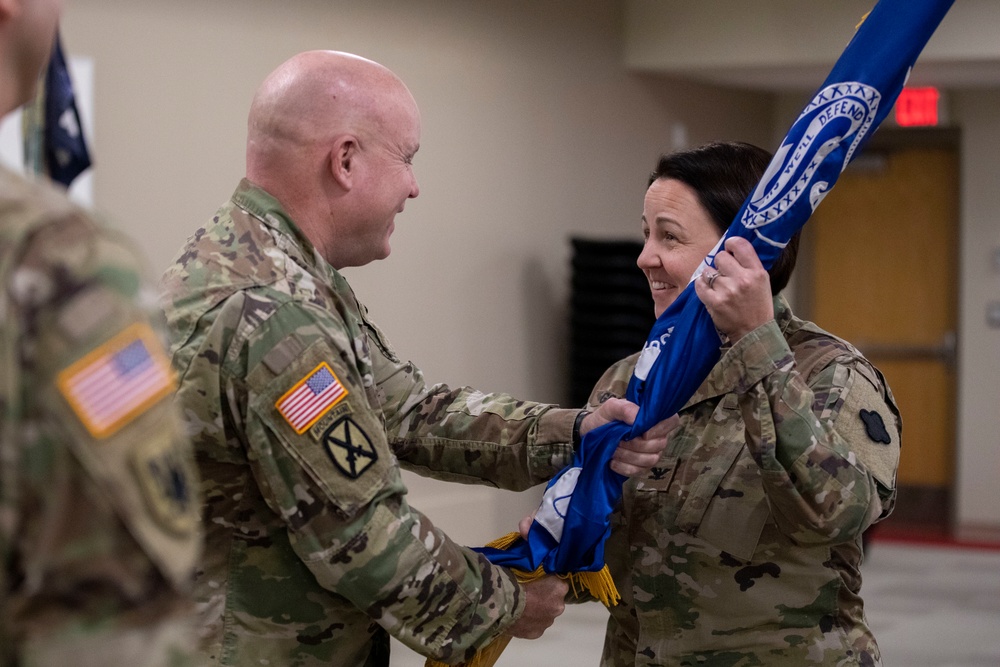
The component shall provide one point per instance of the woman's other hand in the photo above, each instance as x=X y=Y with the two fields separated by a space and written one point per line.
x=738 y=294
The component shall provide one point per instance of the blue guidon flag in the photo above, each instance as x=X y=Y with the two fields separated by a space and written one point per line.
x=66 y=154
x=52 y=134
x=571 y=524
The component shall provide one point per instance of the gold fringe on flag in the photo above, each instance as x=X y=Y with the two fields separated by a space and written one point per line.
x=598 y=585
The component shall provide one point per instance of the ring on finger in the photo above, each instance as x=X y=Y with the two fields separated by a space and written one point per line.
x=711 y=279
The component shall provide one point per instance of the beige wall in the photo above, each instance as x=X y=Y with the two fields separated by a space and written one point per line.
x=976 y=112
x=533 y=131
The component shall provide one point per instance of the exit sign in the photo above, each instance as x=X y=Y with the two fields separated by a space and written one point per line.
x=917 y=107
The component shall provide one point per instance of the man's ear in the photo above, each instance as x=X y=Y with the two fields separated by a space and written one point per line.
x=343 y=159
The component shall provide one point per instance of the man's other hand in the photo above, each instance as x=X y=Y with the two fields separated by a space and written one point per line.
x=636 y=456
x=546 y=599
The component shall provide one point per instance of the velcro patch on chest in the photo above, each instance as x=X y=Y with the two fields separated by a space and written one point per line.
x=117 y=381
x=310 y=398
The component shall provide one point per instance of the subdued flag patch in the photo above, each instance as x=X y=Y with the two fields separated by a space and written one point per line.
x=311 y=398
x=118 y=381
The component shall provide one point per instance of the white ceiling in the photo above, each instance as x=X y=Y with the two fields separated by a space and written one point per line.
x=790 y=45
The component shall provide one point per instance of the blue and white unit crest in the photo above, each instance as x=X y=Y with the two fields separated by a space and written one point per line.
x=839 y=114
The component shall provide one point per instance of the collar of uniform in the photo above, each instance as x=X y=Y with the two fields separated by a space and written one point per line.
x=260 y=204
x=725 y=377
x=782 y=313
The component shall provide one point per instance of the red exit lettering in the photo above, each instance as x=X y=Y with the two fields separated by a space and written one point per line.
x=917 y=107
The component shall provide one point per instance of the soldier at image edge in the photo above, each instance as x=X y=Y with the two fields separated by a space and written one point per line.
x=99 y=529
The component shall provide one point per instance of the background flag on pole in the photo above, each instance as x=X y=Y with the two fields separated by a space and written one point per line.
x=571 y=524
x=54 y=144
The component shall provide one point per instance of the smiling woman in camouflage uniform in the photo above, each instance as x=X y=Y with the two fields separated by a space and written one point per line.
x=743 y=545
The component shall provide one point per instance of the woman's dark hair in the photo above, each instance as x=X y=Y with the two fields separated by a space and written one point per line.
x=723 y=174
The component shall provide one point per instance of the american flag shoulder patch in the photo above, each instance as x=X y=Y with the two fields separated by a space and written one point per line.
x=119 y=380
x=310 y=398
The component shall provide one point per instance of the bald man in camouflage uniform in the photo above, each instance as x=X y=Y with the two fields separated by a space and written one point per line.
x=302 y=412
x=98 y=509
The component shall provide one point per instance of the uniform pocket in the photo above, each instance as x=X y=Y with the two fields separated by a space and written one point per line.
x=326 y=426
x=646 y=505
x=718 y=485
x=737 y=511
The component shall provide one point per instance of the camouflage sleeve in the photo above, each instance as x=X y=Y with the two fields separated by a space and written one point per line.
x=613 y=383
x=107 y=525
x=326 y=468
x=827 y=450
x=464 y=435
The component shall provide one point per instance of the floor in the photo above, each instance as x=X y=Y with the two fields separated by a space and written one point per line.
x=929 y=606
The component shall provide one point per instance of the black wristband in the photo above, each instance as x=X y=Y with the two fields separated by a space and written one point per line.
x=576 y=428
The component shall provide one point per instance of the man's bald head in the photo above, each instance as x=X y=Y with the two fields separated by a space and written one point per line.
x=332 y=136
x=316 y=95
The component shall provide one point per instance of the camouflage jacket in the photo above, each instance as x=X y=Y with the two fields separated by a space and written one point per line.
x=743 y=545
x=301 y=414
x=98 y=519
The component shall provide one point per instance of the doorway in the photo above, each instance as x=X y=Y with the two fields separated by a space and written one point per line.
x=881 y=266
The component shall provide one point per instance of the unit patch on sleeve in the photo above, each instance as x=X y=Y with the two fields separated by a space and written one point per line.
x=118 y=381
x=167 y=484
x=875 y=427
x=311 y=398
x=349 y=447
x=869 y=426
